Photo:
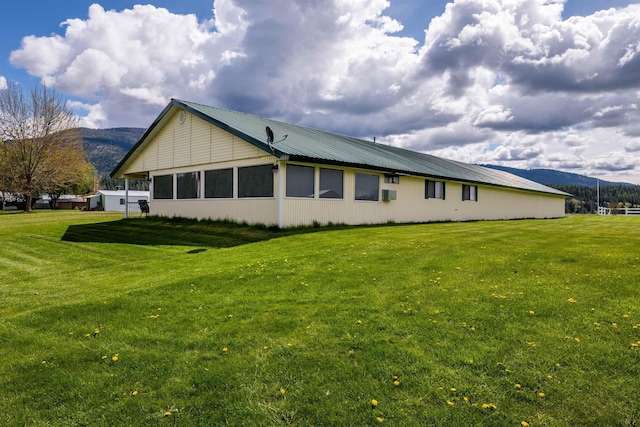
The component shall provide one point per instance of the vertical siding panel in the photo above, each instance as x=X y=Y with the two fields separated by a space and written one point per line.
x=182 y=145
x=200 y=151
x=151 y=156
x=137 y=165
x=244 y=150
x=164 y=139
x=221 y=145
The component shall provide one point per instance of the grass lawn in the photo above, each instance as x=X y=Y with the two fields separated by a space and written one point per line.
x=112 y=322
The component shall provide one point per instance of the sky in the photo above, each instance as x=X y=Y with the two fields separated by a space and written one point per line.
x=520 y=83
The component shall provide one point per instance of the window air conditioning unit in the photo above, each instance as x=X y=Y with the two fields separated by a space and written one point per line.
x=388 y=195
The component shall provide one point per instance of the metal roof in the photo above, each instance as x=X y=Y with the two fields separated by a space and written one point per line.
x=313 y=145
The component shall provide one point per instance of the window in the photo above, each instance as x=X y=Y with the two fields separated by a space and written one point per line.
x=470 y=192
x=163 y=187
x=218 y=184
x=434 y=190
x=331 y=184
x=367 y=187
x=122 y=201
x=188 y=185
x=255 y=181
x=392 y=179
x=300 y=181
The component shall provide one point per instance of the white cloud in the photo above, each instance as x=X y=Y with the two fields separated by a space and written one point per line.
x=493 y=81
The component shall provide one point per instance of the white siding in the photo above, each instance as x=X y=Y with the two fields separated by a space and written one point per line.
x=252 y=211
x=411 y=205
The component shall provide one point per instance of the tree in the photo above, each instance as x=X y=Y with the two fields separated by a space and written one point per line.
x=40 y=146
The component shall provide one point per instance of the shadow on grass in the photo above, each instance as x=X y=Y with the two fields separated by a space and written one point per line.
x=179 y=232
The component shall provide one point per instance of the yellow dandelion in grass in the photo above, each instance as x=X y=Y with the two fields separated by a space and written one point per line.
x=374 y=403
x=71 y=333
x=450 y=403
x=532 y=312
x=491 y=406
x=518 y=386
x=571 y=300
x=87 y=335
x=465 y=398
x=224 y=349
x=524 y=424
x=283 y=391
x=134 y=393
x=396 y=383
x=104 y=357
x=115 y=357
x=380 y=419
x=167 y=413
x=541 y=394
x=453 y=389
x=359 y=322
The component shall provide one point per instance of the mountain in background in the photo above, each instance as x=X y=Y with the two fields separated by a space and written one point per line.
x=552 y=177
x=105 y=148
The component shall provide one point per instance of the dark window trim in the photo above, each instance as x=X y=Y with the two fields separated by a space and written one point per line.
x=325 y=197
x=229 y=169
x=377 y=195
x=466 y=193
x=432 y=194
x=155 y=188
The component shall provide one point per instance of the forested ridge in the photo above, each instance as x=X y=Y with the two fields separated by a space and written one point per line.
x=585 y=198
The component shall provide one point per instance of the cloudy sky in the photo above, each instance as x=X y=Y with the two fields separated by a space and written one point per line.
x=521 y=83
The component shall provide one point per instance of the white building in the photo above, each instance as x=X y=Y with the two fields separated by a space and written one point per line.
x=210 y=163
x=115 y=200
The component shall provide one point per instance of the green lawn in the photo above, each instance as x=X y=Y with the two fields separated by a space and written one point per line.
x=112 y=322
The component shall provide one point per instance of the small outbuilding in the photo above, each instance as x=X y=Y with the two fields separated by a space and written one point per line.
x=210 y=163
x=116 y=200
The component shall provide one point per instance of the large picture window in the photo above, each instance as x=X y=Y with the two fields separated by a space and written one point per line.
x=188 y=185
x=255 y=181
x=434 y=190
x=331 y=184
x=300 y=181
x=367 y=187
x=163 y=187
x=470 y=192
x=218 y=184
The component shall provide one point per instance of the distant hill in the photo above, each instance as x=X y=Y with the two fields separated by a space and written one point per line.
x=554 y=178
x=106 y=147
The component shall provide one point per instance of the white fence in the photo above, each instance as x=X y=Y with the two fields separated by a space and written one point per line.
x=618 y=211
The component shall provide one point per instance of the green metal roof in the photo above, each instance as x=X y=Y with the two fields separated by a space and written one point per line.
x=312 y=145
